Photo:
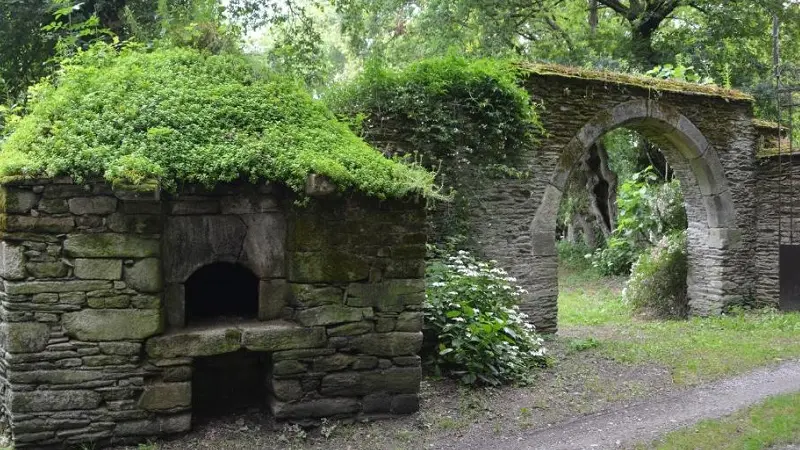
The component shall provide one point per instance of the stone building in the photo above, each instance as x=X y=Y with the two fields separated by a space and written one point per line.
x=124 y=313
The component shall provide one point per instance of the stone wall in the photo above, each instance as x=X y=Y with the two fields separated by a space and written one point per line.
x=711 y=143
x=87 y=353
x=778 y=202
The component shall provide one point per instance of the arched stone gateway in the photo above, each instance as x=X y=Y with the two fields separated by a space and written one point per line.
x=708 y=137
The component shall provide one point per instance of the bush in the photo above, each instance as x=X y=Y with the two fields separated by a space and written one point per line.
x=482 y=336
x=573 y=255
x=469 y=120
x=181 y=115
x=616 y=257
x=658 y=280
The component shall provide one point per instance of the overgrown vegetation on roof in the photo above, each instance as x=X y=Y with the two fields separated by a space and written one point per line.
x=657 y=84
x=180 y=115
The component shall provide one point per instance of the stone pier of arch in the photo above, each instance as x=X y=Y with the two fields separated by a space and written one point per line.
x=711 y=140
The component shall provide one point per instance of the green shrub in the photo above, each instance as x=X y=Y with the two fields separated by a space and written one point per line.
x=616 y=257
x=182 y=115
x=573 y=255
x=482 y=336
x=658 y=279
x=467 y=119
x=649 y=208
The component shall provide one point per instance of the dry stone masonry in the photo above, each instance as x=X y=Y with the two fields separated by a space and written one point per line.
x=709 y=139
x=107 y=335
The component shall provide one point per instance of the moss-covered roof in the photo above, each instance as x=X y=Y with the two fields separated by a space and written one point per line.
x=657 y=84
x=182 y=116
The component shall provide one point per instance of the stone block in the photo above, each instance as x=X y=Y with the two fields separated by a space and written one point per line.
x=135 y=223
x=288 y=367
x=410 y=321
x=17 y=201
x=111 y=245
x=264 y=246
x=273 y=297
x=39 y=224
x=146 y=301
x=365 y=362
x=277 y=337
x=388 y=296
x=388 y=344
x=12 y=261
x=145 y=275
x=100 y=205
x=112 y=301
x=309 y=296
x=377 y=403
x=195 y=343
x=395 y=380
x=326 y=267
x=195 y=241
x=98 y=269
x=351 y=329
x=287 y=390
x=324 y=407
x=49 y=269
x=37 y=287
x=345 y=384
x=53 y=206
x=332 y=363
x=120 y=348
x=329 y=315
x=51 y=400
x=161 y=396
x=319 y=186
x=112 y=324
x=178 y=373
x=194 y=207
x=24 y=337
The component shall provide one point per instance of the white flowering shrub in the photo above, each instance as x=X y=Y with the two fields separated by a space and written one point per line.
x=482 y=335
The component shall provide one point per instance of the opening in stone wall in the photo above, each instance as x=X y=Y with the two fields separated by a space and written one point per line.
x=230 y=383
x=221 y=292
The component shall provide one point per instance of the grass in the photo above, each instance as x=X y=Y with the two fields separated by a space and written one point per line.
x=695 y=350
x=774 y=422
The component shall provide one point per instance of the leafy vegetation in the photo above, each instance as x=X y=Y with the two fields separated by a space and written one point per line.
x=658 y=278
x=769 y=424
x=482 y=336
x=180 y=115
x=648 y=209
x=467 y=119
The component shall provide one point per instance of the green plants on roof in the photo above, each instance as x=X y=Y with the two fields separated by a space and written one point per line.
x=181 y=115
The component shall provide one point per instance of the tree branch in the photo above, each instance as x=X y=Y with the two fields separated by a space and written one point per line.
x=616 y=6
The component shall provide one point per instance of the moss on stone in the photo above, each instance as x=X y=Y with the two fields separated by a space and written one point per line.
x=640 y=81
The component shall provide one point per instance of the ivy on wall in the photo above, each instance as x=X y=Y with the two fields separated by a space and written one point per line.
x=469 y=120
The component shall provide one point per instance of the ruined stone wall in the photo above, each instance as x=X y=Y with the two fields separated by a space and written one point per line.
x=88 y=354
x=79 y=296
x=777 y=204
x=516 y=220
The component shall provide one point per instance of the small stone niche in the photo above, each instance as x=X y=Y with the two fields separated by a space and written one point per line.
x=126 y=315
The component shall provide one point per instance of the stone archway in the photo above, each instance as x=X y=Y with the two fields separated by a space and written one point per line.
x=710 y=207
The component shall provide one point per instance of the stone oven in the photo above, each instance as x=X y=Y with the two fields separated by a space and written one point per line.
x=126 y=314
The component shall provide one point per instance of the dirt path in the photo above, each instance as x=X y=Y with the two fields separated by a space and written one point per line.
x=645 y=422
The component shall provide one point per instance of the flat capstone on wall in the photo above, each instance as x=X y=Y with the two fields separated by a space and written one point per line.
x=95 y=345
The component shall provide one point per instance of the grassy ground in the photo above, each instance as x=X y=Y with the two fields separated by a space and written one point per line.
x=695 y=350
x=770 y=424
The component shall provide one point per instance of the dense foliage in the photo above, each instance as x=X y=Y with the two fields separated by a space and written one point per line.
x=179 y=115
x=472 y=308
x=658 y=278
x=466 y=119
x=648 y=209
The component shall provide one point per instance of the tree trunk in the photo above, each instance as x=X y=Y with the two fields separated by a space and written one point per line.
x=601 y=186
